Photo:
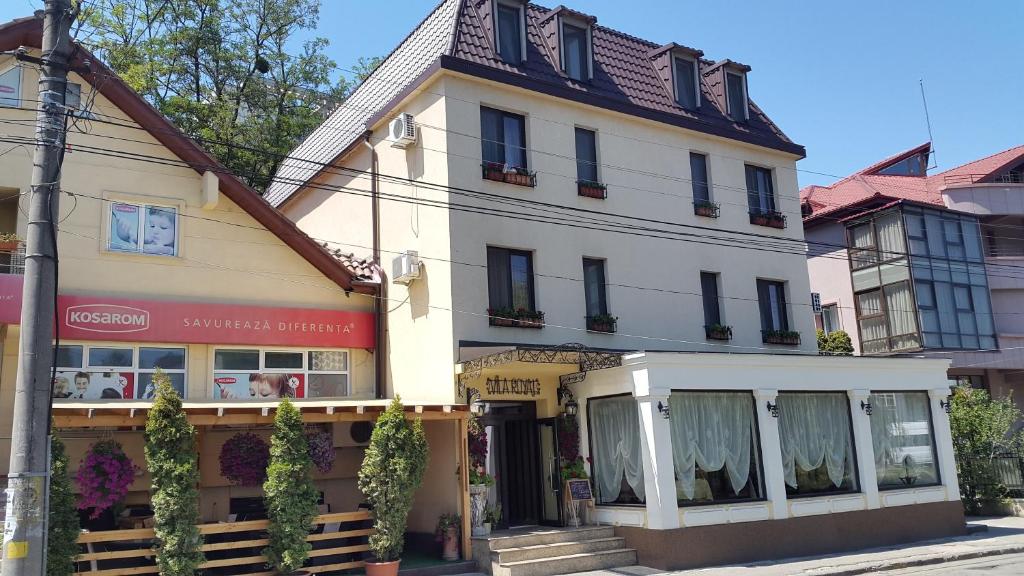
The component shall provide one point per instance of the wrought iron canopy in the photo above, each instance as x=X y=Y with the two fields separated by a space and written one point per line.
x=582 y=358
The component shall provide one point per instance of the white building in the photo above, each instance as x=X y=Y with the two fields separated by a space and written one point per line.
x=574 y=194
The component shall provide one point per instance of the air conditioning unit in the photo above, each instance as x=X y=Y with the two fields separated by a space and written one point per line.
x=402 y=131
x=405 y=268
x=352 y=434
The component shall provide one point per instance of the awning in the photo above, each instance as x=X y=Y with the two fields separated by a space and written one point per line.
x=573 y=358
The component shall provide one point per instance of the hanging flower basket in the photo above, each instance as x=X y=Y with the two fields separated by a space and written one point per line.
x=244 y=458
x=321 y=449
x=104 y=476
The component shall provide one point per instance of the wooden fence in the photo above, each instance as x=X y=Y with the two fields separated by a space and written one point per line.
x=231 y=548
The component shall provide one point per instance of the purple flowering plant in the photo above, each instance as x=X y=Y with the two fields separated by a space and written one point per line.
x=321 y=448
x=104 y=476
x=243 y=459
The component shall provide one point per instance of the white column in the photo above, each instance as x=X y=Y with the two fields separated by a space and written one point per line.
x=771 y=453
x=659 y=474
x=868 y=478
x=944 y=443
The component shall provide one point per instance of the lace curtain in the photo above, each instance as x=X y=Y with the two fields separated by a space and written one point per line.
x=815 y=429
x=901 y=435
x=615 y=430
x=711 y=430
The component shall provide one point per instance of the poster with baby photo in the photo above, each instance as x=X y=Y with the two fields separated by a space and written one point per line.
x=256 y=386
x=80 y=385
x=124 y=227
x=160 y=228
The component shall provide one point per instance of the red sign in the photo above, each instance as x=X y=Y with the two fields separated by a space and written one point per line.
x=94 y=318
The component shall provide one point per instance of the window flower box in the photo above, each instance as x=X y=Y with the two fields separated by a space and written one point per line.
x=501 y=317
x=768 y=218
x=529 y=318
x=509 y=174
x=9 y=242
x=591 y=189
x=605 y=323
x=706 y=208
x=718 y=332
x=509 y=318
x=784 y=337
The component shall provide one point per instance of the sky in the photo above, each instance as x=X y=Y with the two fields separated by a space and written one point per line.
x=840 y=78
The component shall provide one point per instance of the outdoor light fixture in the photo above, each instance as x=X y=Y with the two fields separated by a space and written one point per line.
x=945 y=404
x=773 y=409
x=476 y=403
x=866 y=407
x=663 y=408
x=571 y=407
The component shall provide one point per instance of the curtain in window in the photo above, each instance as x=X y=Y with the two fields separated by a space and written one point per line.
x=574 y=51
x=615 y=430
x=870 y=303
x=699 y=176
x=492 y=135
x=901 y=435
x=515 y=146
x=711 y=430
x=594 y=287
x=499 y=280
x=815 y=429
x=737 y=104
x=900 y=306
x=509 y=41
x=586 y=155
x=890 y=236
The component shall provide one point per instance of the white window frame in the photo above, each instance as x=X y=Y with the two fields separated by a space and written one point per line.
x=86 y=366
x=696 y=78
x=521 y=8
x=142 y=206
x=16 y=97
x=305 y=370
x=743 y=85
x=839 y=323
x=589 y=47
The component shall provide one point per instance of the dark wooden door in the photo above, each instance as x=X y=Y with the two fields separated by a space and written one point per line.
x=522 y=474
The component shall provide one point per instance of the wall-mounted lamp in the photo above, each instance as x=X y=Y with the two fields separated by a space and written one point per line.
x=571 y=407
x=946 y=404
x=773 y=409
x=866 y=407
x=475 y=401
x=663 y=408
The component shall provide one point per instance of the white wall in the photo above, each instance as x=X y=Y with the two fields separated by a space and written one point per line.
x=829 y=271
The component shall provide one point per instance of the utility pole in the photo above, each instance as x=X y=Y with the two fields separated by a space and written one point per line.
x=26 y=518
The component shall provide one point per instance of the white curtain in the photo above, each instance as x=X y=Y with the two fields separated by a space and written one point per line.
x=615 y=430
x=890 y=236
x=871 y=303
x=901 y=309
x=711 y=430
x=815 y=429
x=901 y=436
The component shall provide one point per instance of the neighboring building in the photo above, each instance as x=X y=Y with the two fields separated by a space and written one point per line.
x=907 y=263
x=168 y=262
x=550 y=196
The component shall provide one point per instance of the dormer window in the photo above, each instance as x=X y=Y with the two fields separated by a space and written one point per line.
x=510 y=32
x=736 y=95
x=576 y=51
x=684 y=71
x=916 y=165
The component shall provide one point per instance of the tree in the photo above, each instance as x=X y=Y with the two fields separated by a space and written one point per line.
x=982 y=428
x=62 y=538
x=836 y=342
x=364 y=67
x=290 y=494
x=173 y=464
x=392 y=471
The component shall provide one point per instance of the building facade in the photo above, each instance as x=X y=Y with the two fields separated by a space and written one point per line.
x=573 y=213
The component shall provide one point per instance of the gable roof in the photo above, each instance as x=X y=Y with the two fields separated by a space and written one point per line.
x=457 y=36
x=345 y=273
x=867 y=184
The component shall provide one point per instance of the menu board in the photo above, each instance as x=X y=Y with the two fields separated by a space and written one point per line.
x=579 y=489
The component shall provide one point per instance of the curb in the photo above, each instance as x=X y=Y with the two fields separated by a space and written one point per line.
x=883 y=566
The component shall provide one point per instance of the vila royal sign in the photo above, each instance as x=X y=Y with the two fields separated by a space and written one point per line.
x=513 y=386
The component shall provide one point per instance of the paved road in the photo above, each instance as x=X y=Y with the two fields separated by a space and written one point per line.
x=1005 y=565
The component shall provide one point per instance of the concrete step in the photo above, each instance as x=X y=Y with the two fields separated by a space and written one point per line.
x=568 y=564
x=555 y=549
x=537 y=536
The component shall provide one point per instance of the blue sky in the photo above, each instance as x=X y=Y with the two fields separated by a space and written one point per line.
x=839 y=78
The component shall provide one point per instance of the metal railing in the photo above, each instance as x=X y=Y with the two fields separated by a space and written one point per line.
x=1009 y=177
x=13 y=262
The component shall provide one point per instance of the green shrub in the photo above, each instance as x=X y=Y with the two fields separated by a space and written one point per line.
x=290 y=494
x=836 y=342
x=61 y=541
x=392 y=470
x=173 y=464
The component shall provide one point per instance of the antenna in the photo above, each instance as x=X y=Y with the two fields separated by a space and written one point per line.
x=928 y=121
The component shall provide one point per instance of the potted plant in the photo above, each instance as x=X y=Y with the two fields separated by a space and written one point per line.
x=494 y=171
x=718 y=332
x=705 y=208
x=519 y=176
x=479 y=479
x=501 y=317
x=391 y=472
x=492 y=516
x=591 y=189
x=289 y=492
x=785 y=337
x=9 y=241
x=449 y=527
x=602 y=323
x=529 y=318
x=104 y=477
x=244 y=458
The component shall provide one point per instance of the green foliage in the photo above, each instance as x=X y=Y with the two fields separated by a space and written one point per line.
x=61 y=547
x=982 y=428
x=173 y=464
x=835 y=342
x=290 y=493
x=392 y=470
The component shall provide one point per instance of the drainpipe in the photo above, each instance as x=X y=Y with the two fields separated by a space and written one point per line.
x=380 y=302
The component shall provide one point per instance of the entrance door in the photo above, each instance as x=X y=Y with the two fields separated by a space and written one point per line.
x=551 y=488
x=514 y=442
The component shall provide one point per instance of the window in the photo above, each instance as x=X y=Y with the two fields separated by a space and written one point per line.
x=586 y=155
x=575 y=51
x=699 y=181
x=817 y=443
x=510 y=279
x=503 y=135
x=736 y=89
x=685 y=77
x=830 y=318
x=510 y=33
x=142 y=228
x=760 y=193
x=10 y=88
x=771 y=298
x=614 y=425
x=245 y=374
x=714 y=447
x=709 y=292
x=594 y=287
x=901 y=433
x=115 y=372
x=916 y=165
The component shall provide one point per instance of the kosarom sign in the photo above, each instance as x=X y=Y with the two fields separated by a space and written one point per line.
x=117 y=319
x=512 y=386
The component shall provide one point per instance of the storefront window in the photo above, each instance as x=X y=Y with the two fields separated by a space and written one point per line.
x=614 y=426
x=901 y=433
x=817 y=445
x=257 y=374
x=714 y=447
x=121 y=372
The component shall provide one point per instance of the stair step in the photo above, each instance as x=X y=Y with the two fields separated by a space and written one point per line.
x=556 y=549
x=534 y=537
x=568 y=564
